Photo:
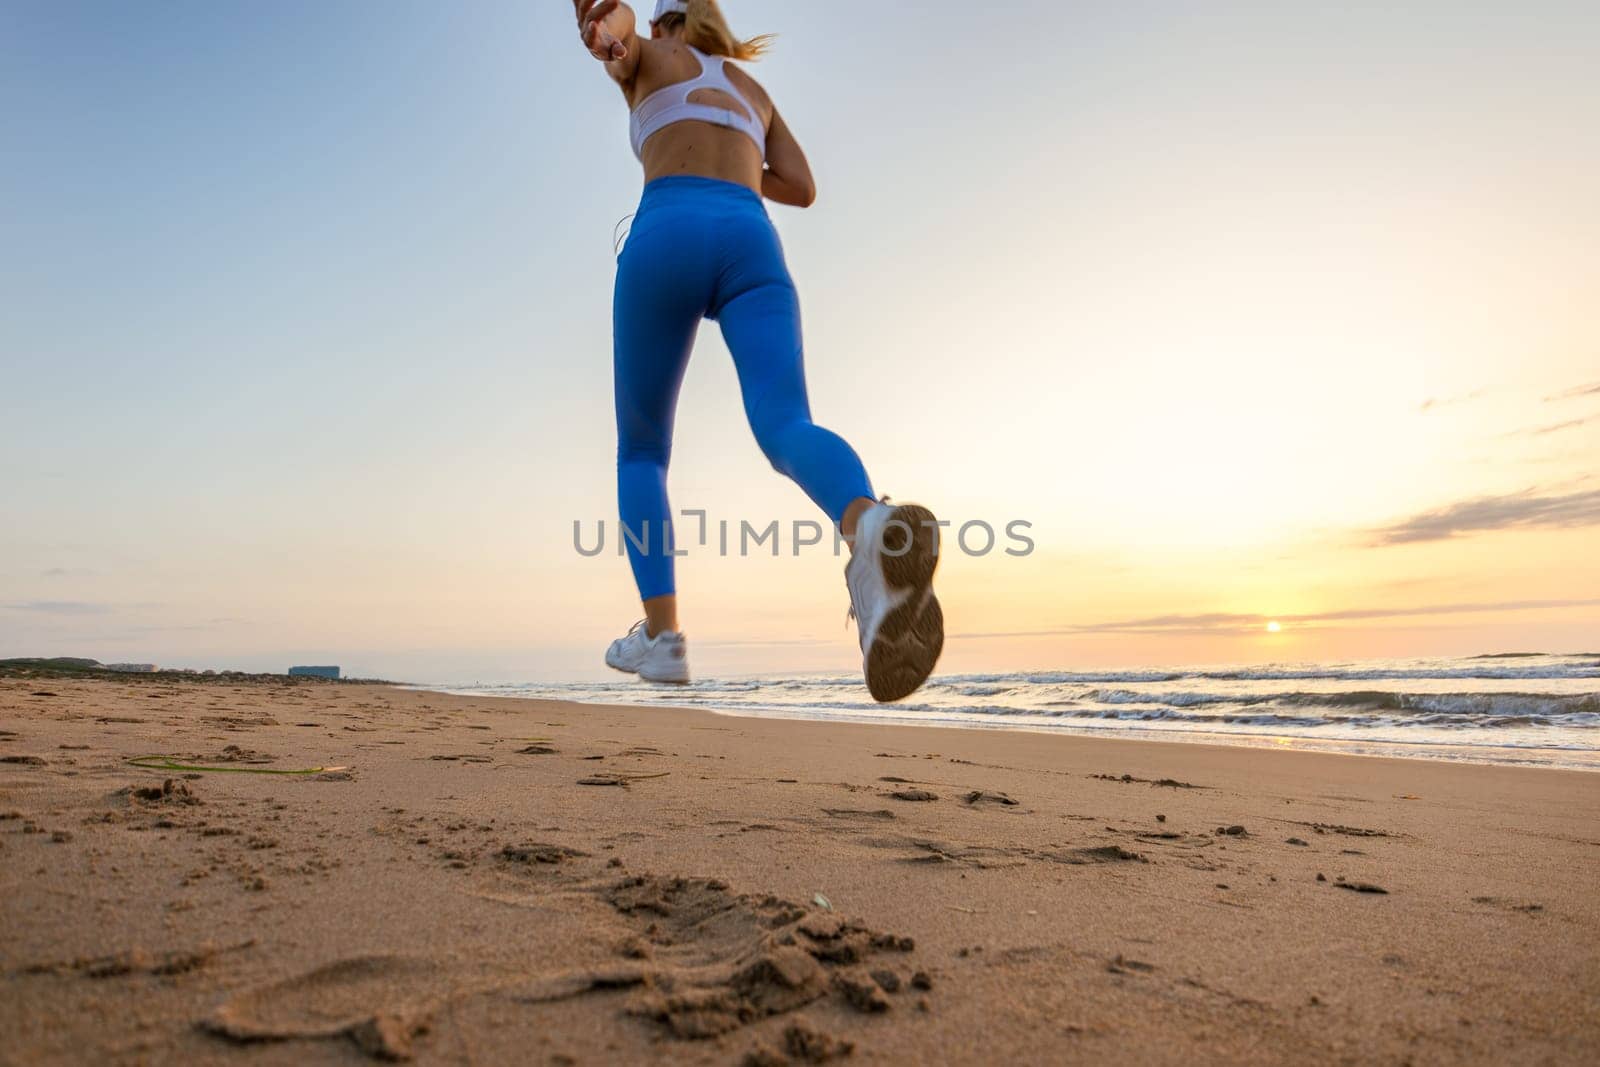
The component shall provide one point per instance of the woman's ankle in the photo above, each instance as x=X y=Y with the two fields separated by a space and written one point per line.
x=660 y=615
x=852 y=517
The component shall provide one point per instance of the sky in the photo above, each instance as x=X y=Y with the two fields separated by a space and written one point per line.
x=1253 y=312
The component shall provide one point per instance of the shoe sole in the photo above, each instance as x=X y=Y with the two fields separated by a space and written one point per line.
x=908 y=642
x=644 y=677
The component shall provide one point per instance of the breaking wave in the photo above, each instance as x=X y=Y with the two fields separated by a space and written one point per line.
x=1489 y=704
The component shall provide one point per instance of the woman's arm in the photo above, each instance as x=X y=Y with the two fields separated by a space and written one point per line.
x=607 y=30
x=787 y=178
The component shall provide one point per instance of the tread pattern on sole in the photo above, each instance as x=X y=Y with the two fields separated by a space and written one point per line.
x=908 y=642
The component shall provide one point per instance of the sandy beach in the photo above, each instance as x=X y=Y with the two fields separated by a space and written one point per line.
x=477 y=880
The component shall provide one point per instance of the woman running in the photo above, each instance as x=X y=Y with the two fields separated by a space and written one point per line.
x=702 y=247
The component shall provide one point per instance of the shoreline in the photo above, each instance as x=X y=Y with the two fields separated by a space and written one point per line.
x=486 y=878
x=1129 y=732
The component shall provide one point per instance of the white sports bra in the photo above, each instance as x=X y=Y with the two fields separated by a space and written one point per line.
x=671 y=104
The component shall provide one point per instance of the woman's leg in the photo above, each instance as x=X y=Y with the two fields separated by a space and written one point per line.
x=890 y=572
x=760 y=319
x=656 y=311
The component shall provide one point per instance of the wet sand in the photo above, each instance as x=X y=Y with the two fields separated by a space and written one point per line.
x=490 y=880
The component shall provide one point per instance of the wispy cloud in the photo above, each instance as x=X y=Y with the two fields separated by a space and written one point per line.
x=1555 y=427
x=1569 y=424
x=1435 y=402
x=776 y=642
x=1592 y=389
x=59 y=607
x=198 y=626
x=1236 y=622
x=1516 y=511
x=67 y=572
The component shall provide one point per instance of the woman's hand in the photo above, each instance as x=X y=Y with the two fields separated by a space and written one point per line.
x=599 y=38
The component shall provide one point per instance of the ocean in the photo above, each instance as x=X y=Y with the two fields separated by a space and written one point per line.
x=1515 y=708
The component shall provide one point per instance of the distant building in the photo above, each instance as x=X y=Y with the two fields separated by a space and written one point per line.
x=133 y=668
x=314 y=672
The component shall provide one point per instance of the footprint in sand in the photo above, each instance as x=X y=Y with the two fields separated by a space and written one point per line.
x=981 y=796
x=1526 y=907
x=745 y=957
x=379 y=1002
x=856 y=813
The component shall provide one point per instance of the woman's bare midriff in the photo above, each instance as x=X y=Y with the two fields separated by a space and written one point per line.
x=703 y=150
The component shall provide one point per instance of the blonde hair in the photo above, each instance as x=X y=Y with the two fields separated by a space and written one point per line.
x=706 y=29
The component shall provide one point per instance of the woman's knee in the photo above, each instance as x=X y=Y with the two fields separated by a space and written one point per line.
x=652 y=453
x=779 y=441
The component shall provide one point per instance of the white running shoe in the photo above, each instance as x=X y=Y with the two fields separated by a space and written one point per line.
x=890 y=576
x=662 y=658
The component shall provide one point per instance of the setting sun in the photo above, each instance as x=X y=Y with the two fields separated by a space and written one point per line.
x=1274 y=627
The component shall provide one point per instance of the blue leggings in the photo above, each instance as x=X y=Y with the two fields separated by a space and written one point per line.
x=701 y=248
